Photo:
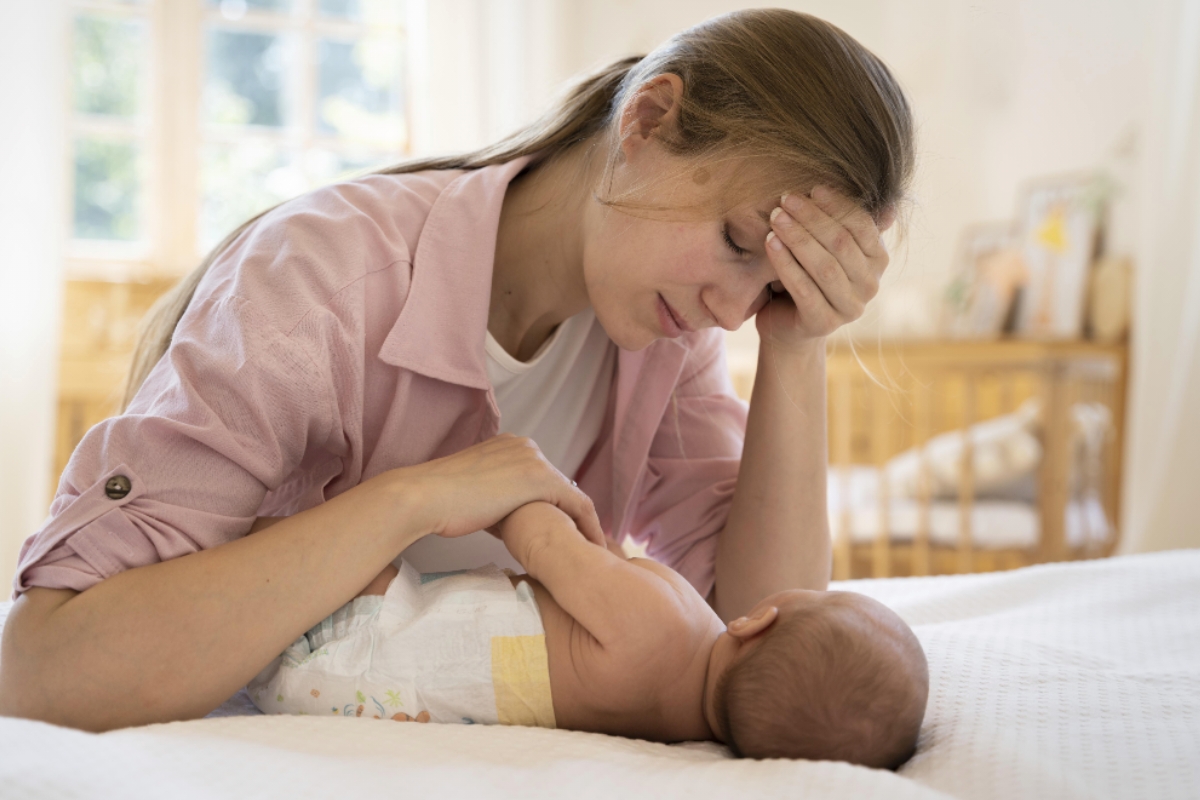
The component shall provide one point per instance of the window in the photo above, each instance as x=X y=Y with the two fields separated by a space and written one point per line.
x=110 y=101
x=190 y=116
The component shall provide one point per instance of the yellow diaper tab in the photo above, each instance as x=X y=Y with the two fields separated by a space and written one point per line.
x=521 y=681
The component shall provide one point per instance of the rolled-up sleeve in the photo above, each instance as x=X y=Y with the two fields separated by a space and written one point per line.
x=693 y=465
x=223 y=418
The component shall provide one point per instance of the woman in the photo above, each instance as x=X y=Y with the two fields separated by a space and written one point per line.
x=338 y=361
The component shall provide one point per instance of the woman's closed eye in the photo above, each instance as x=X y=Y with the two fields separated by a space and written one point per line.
x=732 y=245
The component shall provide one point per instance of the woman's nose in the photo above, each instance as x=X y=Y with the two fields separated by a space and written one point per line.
x=737 y=301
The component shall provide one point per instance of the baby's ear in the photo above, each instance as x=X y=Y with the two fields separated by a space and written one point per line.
x=748 y=627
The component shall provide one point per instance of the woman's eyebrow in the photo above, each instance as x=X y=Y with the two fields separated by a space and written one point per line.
x=763 y=216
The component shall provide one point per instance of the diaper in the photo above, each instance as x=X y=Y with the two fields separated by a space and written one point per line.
x=463 y=647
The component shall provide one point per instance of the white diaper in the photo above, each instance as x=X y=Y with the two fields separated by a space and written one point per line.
x=462 y=647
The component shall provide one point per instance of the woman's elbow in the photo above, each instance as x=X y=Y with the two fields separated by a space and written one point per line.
x=27 y=665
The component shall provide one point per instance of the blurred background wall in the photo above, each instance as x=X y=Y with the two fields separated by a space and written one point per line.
x=32 y=208
x=1003 y=90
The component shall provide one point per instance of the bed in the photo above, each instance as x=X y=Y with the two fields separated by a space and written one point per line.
x=1066 y=680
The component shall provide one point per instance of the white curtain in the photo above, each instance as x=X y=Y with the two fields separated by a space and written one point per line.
x=32 y=228
x=1162 y=469
x=482 y=68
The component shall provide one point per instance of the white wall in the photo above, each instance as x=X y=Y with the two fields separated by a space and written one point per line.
x=32 y=228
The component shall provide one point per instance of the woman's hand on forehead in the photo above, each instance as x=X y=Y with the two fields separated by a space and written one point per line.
x=829 y=255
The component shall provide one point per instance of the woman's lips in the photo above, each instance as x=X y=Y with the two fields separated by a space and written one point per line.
x=671 y=325
x=679 y=319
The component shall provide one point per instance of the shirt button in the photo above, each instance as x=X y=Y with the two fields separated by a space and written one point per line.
x=117 y=487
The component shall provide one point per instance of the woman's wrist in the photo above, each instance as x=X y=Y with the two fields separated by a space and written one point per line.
x=398 y=502
x=779 y=356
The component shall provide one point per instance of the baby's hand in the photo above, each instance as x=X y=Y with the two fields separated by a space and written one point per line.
x=532 y=525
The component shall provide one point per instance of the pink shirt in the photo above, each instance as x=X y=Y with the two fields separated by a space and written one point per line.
x=342 y=336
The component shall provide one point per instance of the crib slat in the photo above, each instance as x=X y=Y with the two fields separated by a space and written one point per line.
x=841 y=445
x=923 y=416
x=966 y=479
x=881 y=562
x=1119 y=358
x=1056 y=426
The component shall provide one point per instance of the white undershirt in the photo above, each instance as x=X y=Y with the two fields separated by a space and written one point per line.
x=558 y=399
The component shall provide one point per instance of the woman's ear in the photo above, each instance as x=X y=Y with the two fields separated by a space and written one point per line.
x=653 y=109
x=748 y=627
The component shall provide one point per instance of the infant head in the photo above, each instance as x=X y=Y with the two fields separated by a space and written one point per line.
x=836 y=676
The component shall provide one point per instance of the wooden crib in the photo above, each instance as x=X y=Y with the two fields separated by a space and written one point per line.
x=934 y=388
x=930 y=389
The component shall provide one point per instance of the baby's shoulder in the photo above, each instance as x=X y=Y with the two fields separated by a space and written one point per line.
x=678 y=585
x=677 y=622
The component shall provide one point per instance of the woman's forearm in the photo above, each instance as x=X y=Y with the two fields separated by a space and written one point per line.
x=175 y=639
x=777 y=534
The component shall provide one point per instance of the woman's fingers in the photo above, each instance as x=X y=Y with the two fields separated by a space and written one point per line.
x=855 y=219
x=559 y=490
x=836 y=243
x=579 y=507
x=801 y=247
x=818 y=317
x=840 y=256
x=477 y=487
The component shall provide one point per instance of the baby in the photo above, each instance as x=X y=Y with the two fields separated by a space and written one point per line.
x=624 y=646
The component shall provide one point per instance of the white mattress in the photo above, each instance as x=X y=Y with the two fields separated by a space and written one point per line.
x=1057 y=681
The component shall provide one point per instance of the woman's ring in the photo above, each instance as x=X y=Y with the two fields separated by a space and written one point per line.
x=576 y=485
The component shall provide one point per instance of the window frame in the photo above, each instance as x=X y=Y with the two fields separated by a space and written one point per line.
x=174 y=135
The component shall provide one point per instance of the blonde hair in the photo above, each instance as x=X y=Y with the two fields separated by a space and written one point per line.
x=780 y=86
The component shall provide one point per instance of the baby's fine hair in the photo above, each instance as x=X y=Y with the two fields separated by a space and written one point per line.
x=827 y=683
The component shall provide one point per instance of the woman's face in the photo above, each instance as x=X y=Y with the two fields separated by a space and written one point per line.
x=670 y=269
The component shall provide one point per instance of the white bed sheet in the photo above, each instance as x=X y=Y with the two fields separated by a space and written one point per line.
x=1056 y=681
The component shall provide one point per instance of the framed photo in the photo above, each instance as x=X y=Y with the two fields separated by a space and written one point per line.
x=1059 y=223
x=990 y=272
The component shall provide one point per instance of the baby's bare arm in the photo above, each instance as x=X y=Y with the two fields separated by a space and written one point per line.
x=610 y=596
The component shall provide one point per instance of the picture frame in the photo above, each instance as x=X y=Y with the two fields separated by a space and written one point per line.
x=989 y=274
x=1060 y=222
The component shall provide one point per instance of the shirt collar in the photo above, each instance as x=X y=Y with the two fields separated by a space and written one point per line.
x=441 y=330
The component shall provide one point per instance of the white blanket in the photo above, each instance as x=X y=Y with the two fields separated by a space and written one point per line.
x=1056 y=681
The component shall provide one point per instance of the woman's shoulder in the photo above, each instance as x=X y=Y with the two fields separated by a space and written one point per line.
x=308 y=250
x=378 y=214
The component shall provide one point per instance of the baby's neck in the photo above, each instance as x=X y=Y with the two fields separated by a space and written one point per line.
x=720 y=659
